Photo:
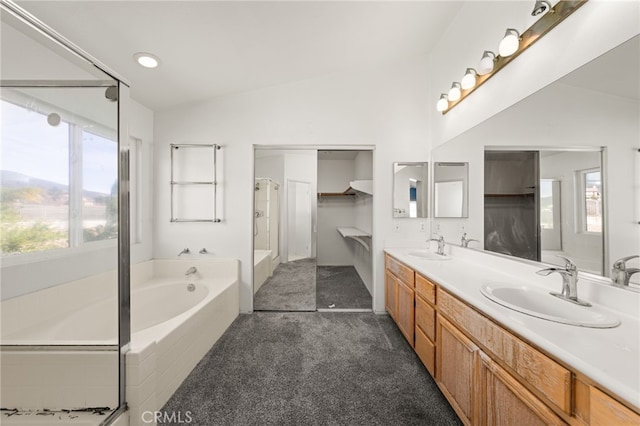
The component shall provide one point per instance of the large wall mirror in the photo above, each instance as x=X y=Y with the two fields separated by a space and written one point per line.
x=410 y=190
x=558 y=173
x=450 y=189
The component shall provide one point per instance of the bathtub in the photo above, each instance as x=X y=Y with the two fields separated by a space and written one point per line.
x=262 y=268
x=168 y=316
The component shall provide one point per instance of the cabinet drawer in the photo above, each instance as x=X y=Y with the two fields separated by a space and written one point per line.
x=426 y=318
x=405 y=274
x=426 y=289
x=607 y=411
x=533 y=367
x=426 y=351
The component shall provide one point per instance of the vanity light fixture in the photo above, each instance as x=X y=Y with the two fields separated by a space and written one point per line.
x=146 y=60
x=443 y=103
x=487 y=62
x=510 y=43
x=455 y=92
x=511 y=46
x=541 y=6
x=469 y=79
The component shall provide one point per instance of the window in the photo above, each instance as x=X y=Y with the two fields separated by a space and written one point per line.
x=546 y=204
x=59 y=182
x=590 y=197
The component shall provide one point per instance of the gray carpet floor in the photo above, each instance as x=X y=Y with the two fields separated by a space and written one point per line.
x=341 y=287
x=292 y=287
x=315 y=368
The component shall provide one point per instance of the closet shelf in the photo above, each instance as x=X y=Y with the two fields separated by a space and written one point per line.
x=364 y=238
x=334 y=194
x=364 y=186
x=355 y=187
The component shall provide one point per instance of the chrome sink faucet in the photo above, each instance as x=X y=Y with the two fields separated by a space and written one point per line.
x=184 y=251
x=440 y=241
x=569 y=281
x=620 y=274
x=190 y=271
x=464 y=241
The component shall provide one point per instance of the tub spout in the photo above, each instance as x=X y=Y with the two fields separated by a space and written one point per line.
x=190 y=271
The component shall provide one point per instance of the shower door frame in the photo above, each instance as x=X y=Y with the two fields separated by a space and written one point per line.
x=124 y=311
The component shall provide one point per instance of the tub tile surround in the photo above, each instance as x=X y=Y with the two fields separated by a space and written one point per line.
x=160 y=357
x=607 y=356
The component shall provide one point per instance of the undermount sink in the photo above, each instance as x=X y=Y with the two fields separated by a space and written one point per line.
x=541 y=304
x=429 y=255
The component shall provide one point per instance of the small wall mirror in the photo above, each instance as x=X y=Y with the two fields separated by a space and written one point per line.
x=410 y=189
x=450 y=189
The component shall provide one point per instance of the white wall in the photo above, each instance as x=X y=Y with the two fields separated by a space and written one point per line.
x=592 y=30
x=383 y=107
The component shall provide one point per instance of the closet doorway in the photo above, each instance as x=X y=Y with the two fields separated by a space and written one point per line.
x=312 y=237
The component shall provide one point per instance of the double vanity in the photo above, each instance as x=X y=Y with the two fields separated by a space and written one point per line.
x=503 y=350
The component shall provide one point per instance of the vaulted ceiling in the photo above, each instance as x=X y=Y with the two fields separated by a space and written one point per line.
x=213 y=48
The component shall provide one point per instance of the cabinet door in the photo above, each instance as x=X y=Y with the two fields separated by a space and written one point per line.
x=510 y=403
x=406 y=311
x=457 y=371
x=607 y=411
x=391 y=295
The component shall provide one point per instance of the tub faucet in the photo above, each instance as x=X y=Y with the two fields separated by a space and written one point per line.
x=569 y=281
x=464 y=241
x=184 y=251
x=620 y=274
x=190 y=271
x=440 y=241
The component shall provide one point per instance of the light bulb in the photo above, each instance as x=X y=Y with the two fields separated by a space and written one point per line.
x=455 y=92
x=443 y=103
x=510 y=43
x=486 y=63
x=469 y=79
x=146 y=60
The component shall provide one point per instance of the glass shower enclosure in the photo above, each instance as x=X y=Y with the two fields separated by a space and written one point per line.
x=64 y=228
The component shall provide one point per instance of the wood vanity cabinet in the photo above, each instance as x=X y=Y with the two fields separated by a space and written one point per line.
x=606 y=411
x=489 y=375
x=425 y=327
x=457 y=371
x=400 y=298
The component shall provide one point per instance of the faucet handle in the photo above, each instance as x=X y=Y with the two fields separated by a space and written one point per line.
x=620 y=263
x=569 y=264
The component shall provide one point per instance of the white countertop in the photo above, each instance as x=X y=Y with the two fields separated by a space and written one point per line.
x=610 y=357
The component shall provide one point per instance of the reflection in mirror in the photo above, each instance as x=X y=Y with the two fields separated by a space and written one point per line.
x=410 y=183
x=585 y=128
x=451 y=185
x=539 y=205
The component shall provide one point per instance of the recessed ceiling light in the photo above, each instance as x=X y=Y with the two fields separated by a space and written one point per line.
x=146 y=60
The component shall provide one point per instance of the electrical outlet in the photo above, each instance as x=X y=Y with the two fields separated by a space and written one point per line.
x=422 y=227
